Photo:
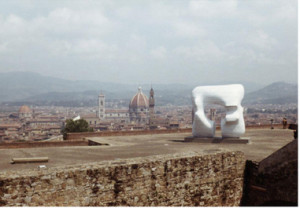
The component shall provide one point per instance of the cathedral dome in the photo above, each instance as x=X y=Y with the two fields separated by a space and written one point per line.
x=24 y=109
x=139 y=100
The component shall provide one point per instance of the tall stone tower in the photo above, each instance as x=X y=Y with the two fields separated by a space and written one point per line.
x=151 y=102
x=101 y=105
x=151 y=108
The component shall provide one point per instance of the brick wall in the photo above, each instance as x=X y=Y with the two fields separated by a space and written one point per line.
x=170 y=180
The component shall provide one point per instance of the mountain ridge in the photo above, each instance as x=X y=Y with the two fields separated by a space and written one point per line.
x=32 y=87
x=277 y=93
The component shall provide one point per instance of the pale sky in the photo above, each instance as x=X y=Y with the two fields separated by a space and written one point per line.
x=150 y=41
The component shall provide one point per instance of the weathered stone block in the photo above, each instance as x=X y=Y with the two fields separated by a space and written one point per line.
x=192 y=180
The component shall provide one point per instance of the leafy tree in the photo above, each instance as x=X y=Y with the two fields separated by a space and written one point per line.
x=80 y=125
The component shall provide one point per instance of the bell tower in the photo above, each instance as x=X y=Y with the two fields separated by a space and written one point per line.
x=151 y=102
x=151 y=108
x=101 y=106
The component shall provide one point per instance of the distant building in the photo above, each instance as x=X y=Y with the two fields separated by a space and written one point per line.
x=121 y=115
x=139 y=112
x=101 y=104
x=92 y=119
x=44 y=122
x=212 y=115
x=25 y=112
x=11 y=130
x=104 y=114
x=151 y=104
x=153 y=122
x=139 y=108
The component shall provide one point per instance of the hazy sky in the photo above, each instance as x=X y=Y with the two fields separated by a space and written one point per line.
x=151 y=41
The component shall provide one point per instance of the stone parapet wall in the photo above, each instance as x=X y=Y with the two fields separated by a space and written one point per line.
x=170 y=180
x=276 y=178
x=264 y=126
x=81 y=135
x=76 y=136
x=281 y=157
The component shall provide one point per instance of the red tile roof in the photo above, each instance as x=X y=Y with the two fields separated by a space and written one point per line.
x=25 y=109
x=139 y=100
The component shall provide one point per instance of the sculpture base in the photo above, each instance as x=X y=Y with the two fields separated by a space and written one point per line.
x=241 y=140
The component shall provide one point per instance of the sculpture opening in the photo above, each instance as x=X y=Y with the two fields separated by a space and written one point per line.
x=229 y=96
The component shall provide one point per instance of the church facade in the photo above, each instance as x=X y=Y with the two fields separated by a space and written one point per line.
x=139 y=112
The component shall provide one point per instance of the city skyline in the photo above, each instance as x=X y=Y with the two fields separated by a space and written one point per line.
x=186 y=42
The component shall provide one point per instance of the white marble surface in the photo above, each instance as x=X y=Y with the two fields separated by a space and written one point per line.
x=229 y=96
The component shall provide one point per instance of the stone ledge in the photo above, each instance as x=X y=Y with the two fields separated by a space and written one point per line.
x=242 y=140
x=111 y=163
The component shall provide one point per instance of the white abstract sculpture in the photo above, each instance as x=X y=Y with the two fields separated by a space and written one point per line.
x=229 y=96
